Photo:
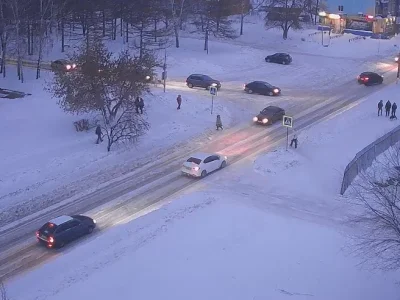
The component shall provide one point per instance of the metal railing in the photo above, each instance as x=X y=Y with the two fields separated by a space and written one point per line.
x=364 y=159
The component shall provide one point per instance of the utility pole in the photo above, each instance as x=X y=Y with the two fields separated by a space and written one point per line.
x=398 y=69
x=396 y=10
x=164 y=73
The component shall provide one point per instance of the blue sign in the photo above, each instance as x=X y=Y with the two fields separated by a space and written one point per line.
x=213 y=91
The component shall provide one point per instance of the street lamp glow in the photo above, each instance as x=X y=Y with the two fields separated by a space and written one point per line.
x=322 y=14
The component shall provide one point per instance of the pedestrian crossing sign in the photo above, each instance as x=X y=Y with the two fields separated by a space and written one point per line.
x=287 y=121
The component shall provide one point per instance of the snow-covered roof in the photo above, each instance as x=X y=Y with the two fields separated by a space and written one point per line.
x=60 y=220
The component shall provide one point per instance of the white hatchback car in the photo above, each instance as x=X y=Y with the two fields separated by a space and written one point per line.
x=201 y=164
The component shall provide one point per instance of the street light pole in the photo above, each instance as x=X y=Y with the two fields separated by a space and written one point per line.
x=398 y=69
x=164 y=74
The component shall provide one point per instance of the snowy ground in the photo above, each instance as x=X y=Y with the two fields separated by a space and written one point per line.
x=44 y=152
x=271 y=230
x=43 y=149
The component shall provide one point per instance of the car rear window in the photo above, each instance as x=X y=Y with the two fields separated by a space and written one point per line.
x=48 y=228
x=194 y=160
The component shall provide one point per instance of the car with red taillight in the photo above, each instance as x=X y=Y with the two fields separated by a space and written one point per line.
x=64 y=229
x=369 y=78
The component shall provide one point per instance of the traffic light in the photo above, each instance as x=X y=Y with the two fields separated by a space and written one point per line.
x=340 y=7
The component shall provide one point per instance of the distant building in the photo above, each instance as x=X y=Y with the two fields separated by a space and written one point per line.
x=352 y=7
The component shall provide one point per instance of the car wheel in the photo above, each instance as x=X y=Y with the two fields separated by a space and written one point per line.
x=270 y=93
x=250 y=91
x=267 y=60
x=90 y=229
x=283 y=62
x=223 y=165
x=203 y=174
x=190 y=85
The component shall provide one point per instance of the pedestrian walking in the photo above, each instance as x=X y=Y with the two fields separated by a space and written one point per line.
x=219 y=123
x=179 y=100
x=99 y=134
x=388 y=106
x=394 y=108
x=139 y=104
x=380 y=106
x=294 y=140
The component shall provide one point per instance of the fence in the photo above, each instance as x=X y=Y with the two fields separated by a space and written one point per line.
x=364 y=159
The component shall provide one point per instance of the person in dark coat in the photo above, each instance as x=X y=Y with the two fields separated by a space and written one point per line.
x=388 y=106
x=139 y=104
x=394 y=108
x=219 y=123
x=99 y=134
x=294 y=140
x=179 y=100
x=380 y=106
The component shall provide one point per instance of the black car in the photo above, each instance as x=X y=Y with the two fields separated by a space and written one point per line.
x=279 y=58
x=203 y=81
x=62 y=65
x=369 y=78
x=262 y=87
x=269 y=115
x=64 y=229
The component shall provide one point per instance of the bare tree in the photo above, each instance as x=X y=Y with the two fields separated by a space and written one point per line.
x=45 y=17
x=376 y=196
x=246 y=9
x=17 y=8
x=5 y=31
x=126 y=127
x=177 y=7
x=209 y=18
x=284 y=14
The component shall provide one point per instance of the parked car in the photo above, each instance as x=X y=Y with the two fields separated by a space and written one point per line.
x=262 y=87
x=64 y=229
x=203 y=81
x=62 y=65
x=369 y=78
x=279 y=58
x=269 y=115
x=202 y=164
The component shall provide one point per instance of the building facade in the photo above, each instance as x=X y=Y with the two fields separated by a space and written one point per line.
x=352 y=7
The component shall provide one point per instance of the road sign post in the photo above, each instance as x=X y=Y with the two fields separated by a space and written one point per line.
x=213 y=92
x=287 y=122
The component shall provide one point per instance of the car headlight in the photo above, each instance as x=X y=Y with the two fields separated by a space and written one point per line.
x=255 y=119
x=276 y=91
x=265 y=121
x=226 y=157
x=147 y=77
x=196 y=168
x=68 y=67
x=94 y=221
x=214 y=84
x=73 y=66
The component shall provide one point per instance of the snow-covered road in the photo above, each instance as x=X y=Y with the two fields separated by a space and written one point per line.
x=123 y=198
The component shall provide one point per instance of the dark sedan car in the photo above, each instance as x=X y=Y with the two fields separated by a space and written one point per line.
x=62 y=65
x=203 y=81
x=64 y=229
x=369 y=78
x=262 y=87
x=279 y=58
x=269 y=115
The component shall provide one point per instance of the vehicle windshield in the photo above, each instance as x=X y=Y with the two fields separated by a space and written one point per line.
x=48 y=228
x=266 y=111
x=194 y=160
x=267 y=84
x=207 y=77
